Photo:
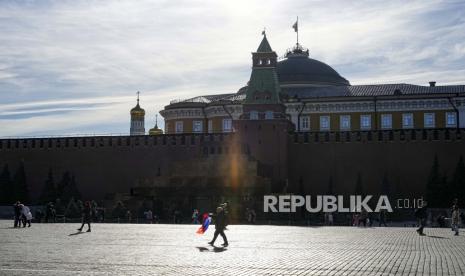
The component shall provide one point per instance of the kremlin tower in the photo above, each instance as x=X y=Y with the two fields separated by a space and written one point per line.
x=137 y=119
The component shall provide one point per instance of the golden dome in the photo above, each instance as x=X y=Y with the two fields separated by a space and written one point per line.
x=137 y=110
x=155 y=131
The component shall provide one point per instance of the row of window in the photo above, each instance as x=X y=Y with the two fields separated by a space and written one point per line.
x=429 y=121
x=269 y=115
x=384 y=135
x=197 y=126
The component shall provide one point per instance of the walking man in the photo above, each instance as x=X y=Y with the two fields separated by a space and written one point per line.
x=420 y=213
x=86 y=216
x=220 y=224
x=455 y=203
x=18 y=211
x=455 y=219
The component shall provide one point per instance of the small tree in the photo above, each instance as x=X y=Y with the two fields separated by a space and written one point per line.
x=436 y=185
x=21 y=191
x=73 y=209
x=6 y=190
x=62 y=186
x=385 y=185
x=49 y=193
x=458 y=182
x=70 y=190
x=119 y=211
x=359 y=186
x=330 y=186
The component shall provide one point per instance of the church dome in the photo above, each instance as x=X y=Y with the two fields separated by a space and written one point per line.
x=299 y=69
x=137 y=111
x=155 y=131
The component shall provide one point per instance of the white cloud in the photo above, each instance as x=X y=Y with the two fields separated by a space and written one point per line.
x=91 y=56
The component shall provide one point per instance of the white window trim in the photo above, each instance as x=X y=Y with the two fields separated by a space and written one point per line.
x=447 y=119
x=176 y=128
x=383 y=126
x=404 y=115
x=302 y=125
x=341 y=119
x=194 y=125
x=361 y=122
x=433 y=116
x=321 y=123
x=229 y=129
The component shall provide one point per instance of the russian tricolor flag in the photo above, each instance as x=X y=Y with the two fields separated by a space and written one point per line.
x=206 y=220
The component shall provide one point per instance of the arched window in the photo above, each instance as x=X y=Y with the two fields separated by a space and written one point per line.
x=268 y=61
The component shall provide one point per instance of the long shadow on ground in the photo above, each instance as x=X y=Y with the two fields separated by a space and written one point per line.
x=215 y=249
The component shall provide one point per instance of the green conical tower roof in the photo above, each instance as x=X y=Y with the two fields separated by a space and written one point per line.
x=263 y=86
x=264 y=46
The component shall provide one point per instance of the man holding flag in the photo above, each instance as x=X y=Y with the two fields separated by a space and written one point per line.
x=220 y=224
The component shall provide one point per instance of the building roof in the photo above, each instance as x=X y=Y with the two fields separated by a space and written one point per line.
x=200 y=101
x=137 y=110
x=301 y=77
x=305 y=70
x=264 y=46
x=398 y=89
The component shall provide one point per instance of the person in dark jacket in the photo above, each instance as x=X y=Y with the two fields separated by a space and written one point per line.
x=382 y=218
x=18 y=212
x=220 y=224
x=421 y=214
x=86 y=215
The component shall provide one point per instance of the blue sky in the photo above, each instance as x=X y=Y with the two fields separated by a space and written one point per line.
x=73 y=67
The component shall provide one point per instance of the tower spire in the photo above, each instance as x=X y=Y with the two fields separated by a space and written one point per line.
x=263 y=87
x=155 y=130
x=138 y=93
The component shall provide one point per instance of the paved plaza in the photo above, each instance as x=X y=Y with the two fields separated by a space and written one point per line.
x=130 y=249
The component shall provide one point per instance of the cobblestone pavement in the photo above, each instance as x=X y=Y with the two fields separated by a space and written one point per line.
x=124 y=249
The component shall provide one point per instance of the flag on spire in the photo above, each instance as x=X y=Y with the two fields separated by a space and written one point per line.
x=296 y=26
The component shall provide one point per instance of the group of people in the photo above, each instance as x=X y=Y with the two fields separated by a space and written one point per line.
x=422 y=214
x=23 y=215
x=150 y=217
x=366 y=218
